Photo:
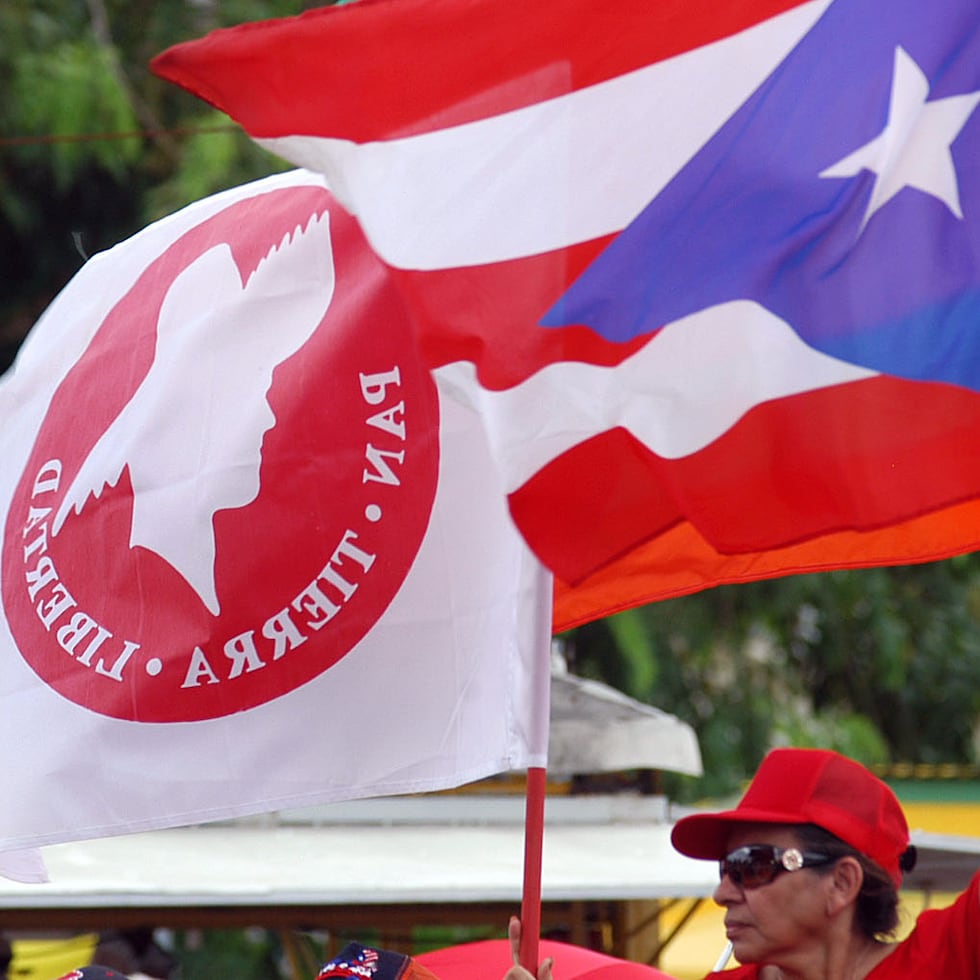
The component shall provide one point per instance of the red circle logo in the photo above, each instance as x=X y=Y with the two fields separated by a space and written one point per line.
x=232 y=482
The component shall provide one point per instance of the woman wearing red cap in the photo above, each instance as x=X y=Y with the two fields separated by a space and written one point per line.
x=811 y=861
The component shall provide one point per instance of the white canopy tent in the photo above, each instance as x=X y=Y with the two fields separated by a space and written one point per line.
x=595 y=728
x=396 y=863
x=387 y=866
x=431 y=850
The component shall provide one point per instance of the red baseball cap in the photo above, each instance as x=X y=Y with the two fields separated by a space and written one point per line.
x=797 y=786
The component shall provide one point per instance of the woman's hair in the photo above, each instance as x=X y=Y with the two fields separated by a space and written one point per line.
x=876 y=909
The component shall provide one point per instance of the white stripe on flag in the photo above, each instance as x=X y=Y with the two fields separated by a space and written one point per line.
x=668 y=394
x=566 y=170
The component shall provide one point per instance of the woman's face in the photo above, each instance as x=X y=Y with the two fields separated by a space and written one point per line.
x=779 y=922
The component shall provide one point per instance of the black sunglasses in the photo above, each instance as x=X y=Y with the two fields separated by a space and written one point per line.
x=758 y=864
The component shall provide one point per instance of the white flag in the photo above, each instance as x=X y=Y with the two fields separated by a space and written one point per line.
x=252 y=557
x=26 y=866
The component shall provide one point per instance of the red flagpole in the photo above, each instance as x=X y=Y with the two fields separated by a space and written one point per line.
x=533 y=841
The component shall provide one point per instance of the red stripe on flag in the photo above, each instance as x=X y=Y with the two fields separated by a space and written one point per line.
x=488 y=314
x=332 y=71
x=680 y=562
x=853 y=457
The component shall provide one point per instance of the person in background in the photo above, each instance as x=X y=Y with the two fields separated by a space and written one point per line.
x=6 y=957
x=134 y=953
x=810 y=864
x=93 y=972
x=358 y=962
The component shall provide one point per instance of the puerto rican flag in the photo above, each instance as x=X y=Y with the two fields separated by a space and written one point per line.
x=711 y=272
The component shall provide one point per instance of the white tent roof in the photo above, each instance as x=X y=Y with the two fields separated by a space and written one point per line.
x=409 y=850
x=391 y=851
x=595 y=728
x=946 y=862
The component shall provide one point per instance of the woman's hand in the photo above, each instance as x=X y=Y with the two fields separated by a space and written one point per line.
x=517 y=972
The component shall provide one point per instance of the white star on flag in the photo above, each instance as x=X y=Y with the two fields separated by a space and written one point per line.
x=914 y=148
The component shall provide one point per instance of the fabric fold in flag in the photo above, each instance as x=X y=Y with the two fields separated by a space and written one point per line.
x=26 y=866
x=709 y=275
x=253 y=556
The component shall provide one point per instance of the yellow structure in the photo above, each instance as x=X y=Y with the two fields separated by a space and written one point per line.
x=48 y=959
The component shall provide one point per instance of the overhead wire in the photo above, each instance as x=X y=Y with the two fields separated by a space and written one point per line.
x=126 y=135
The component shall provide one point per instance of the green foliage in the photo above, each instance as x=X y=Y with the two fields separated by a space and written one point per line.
x=638 y=655
x=73 y=178
x=213 y=158
x=70 y=91
x=252 y=954
x=843 y=731
x=880 y=664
